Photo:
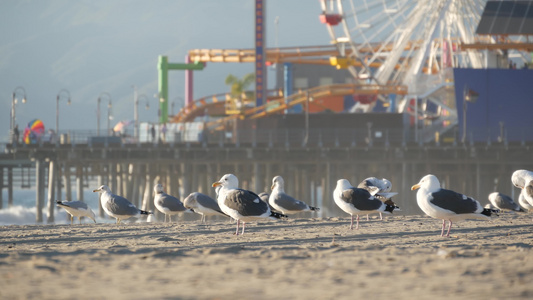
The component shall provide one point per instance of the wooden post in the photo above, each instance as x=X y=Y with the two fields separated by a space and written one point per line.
x=66 y=179
x=100 y=181
x=51 y=191
x=39 y=187
x=258 y=178
x=129 y=177
x=148 y=187
x=9 y=186
x=57 y=170
x=79 y=182
x=1 y=187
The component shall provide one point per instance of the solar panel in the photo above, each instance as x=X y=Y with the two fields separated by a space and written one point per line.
x=507 y=17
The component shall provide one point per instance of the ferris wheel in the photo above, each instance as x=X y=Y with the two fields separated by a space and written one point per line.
x=394 y=42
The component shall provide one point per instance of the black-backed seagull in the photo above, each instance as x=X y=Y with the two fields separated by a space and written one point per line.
x=384 y=185
x=357 y=201
x=445 y=204
x=242 y=205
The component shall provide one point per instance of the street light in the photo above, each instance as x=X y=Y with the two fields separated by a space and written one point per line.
x=59 y=94
x=98 y=110
x=136 y=99
x=17 y=90
x=109 y=116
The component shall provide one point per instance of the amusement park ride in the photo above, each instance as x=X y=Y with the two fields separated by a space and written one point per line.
x=401 y=49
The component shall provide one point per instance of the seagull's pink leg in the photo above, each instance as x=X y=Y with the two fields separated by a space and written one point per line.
x=237 y=232
x=243 y=224
x=357 y=226
x=449 y=227
x=380 y=216
x=367 y=217
x=443 y=225
x=351 y=224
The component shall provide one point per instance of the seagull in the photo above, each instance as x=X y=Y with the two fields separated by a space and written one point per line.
x=383 y=194
x=116 y=206
x=284 y=203
x=502 y=201
x=242 y=205
x=527 y=191
x=445 y=204
x=524 y=203
x=203 y=204
x=167 y=204
x=521 y=178
x=357 y=201
x=77 y=209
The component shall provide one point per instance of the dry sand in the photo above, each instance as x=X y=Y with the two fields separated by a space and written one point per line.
x=402 y=257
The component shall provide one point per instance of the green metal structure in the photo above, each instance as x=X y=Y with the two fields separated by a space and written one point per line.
x=164 y=66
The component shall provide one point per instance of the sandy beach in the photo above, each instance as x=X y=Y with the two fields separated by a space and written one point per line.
x=400 y=257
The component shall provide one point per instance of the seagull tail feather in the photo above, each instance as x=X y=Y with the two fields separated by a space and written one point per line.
x=144 y=212
x=314 y=208
x=489 y=211
x=391 y=208
x=277 y=215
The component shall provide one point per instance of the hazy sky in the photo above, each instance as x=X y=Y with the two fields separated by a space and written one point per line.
x=94 y=46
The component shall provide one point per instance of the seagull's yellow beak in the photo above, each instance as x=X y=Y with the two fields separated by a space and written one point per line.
x=96 y=191
x=415 y=187
x=216 y=184
x=272 y=187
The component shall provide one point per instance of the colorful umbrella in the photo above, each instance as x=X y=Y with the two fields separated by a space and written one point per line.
x=121 y=126
x=33 y=132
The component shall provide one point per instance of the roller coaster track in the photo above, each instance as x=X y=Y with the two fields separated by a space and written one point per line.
x=279 y=105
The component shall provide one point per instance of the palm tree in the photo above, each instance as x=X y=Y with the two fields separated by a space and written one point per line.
x=238 y=88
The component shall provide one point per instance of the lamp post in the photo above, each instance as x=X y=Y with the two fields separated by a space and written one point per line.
x=59 y=94
x=14 y=101
x=109 y=116
x=135 y=112
x=161 y=100
x=98 y=110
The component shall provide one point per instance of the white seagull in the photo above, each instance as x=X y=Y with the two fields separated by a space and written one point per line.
x=242 y=205
x=284 y=203
x=445 y=204
x=522 y=179
x=524 y=203
x=502 y=201
x=117 y=206
x=77 y=209
x=383 y=194
x=167 y=204
x=357 y=201
x=203 y=204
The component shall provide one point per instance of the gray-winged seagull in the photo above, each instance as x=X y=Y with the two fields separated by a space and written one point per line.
x=167 y=204
x=203 y=204
x=357 y=201
x=502 y=201
x=284 y=203
x=117 y=206
x=242 y=205
x=445 y=204
x=77 y=209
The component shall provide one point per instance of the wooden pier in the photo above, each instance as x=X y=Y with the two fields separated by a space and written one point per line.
x=310 y=173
